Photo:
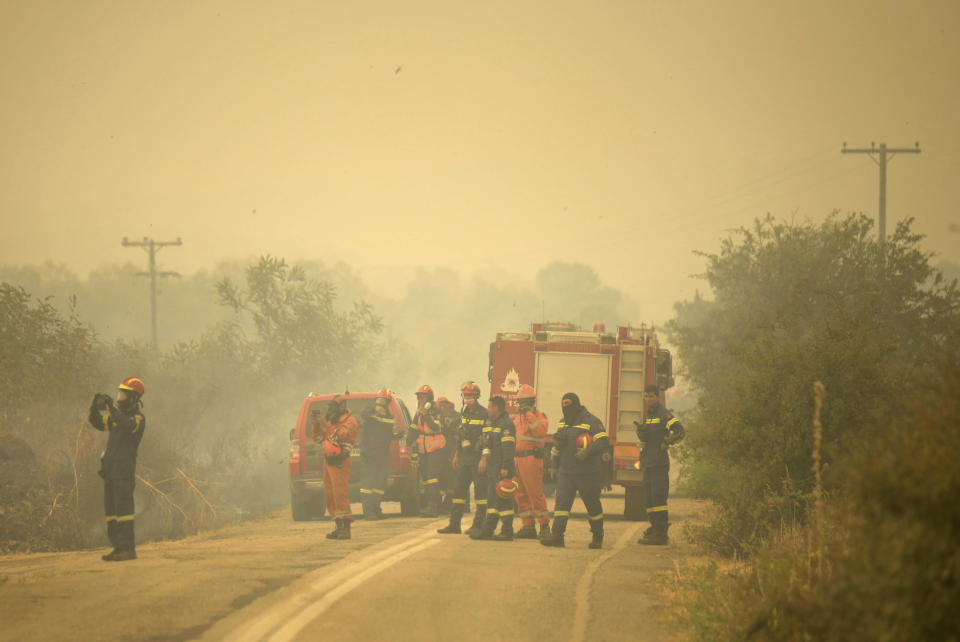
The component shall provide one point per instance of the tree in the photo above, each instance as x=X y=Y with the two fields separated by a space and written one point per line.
x=793 y=304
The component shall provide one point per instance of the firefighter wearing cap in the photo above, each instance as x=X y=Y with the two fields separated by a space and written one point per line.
x=337 y=431
x=531 y=425
x=450 y=421
x=659 y=430
x=579 y=444
x=473 y=417
x=425 y=439
x=375 y=437
x=497 y=462
x=124 y=422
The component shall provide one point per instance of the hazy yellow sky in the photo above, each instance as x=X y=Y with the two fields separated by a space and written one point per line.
x=476 y=135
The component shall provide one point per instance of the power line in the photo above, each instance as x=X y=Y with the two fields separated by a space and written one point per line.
x=885 y=154
x=152 y=247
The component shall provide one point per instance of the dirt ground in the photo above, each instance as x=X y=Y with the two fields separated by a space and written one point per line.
x=278 y=579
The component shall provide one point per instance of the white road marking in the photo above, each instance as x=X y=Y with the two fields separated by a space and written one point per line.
x=582 y=597
x=329 y=587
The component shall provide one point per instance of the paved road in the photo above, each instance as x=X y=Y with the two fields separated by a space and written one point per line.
x=275 y=579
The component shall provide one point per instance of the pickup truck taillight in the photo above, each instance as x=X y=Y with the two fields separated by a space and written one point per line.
x=294 y=451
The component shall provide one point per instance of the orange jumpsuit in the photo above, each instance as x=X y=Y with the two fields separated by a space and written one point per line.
x=531 y=437
x=336 y=470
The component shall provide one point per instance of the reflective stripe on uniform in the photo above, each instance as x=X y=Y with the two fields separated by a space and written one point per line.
x=432 y=481
x=653 y=420
x=656 y=509
x=600 y=435
x=508 y=439
x=125 y=518
x=492 y=511
x=111 y=518
x=594 y=518
x=526 y=513
x=672 y=421
x=365 y=491
x=561 y=513
x=506 y=513
x=459 y=501
x=537 y=440
x=481 y=502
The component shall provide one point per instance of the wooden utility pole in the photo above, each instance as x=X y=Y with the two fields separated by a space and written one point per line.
x=152 y=247
x=884 y=154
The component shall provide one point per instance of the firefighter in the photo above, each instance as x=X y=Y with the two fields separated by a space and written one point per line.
x=531 y=425
x=497 y=463
x=658 y=432
x=450 y=420
x=338 y=433
x=124 y=422
x=579 y=443
x=376 y=435
x=425 y=439
x=473 y=417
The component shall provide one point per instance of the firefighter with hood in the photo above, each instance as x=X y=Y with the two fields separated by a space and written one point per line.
x=497 y=463
x=376 y=434
x=450 y=420
x=426 y=442
x=531 y=425
x=659 y=430
x=337 y=431
x=466 y=459
x=124 y=422
x=579 y=444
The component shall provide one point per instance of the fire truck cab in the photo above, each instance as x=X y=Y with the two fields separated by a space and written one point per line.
x=608 y=371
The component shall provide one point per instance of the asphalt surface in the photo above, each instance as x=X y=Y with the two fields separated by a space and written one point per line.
x=280 y=580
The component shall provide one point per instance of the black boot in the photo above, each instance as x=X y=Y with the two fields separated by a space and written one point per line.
x=657 y=536
x=527 y=532
x=111 y=556
x=597 y=541
x=506 y=532
x=544 y=531
x=554 y=539
x=486 y=532
x=125 y=555
x=479 y=517
x=344 y=532
x=335 y=533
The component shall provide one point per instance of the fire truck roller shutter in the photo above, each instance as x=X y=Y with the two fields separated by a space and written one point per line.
x=587 y=374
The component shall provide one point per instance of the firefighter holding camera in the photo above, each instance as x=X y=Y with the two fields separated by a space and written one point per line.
x=338 y=431
x=124 y=422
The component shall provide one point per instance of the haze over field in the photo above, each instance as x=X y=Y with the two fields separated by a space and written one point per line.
x=489 y=139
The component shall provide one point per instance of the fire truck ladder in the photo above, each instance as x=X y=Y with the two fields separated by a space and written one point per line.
x=630 y=409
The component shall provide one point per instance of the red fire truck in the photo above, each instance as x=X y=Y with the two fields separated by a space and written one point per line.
x=607 y=371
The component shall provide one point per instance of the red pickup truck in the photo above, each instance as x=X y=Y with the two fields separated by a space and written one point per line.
x=306 y=460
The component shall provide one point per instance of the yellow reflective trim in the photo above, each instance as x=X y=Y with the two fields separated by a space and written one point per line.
x=384 y=420
x=584 y=426
x=459 y=501
x=481 y=502
x=656 y=509
x=365 y=491
x=111 y=518
x=475 y=422
x=508 y=438
x=492 y=511
x=125 y=518
x=601 y=434
x=672 y=421
x=378 y=491
x=561 y=513
x=506 y=513
x=653 y=420
x=594 y=518
x=432 y=481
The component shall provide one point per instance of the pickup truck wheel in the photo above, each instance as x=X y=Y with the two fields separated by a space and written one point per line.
x=300 y=507
x=633 y=503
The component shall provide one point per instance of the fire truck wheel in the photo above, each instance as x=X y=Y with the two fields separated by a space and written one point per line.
x=633 y=508
x=300 y=507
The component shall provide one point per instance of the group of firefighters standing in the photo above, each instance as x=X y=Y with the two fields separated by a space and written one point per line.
x=501 y=457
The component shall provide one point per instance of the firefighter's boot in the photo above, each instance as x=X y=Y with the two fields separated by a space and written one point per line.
x=456 y=513
x=344 y=532
x=335 y=533
x=645 y=535
x=597 y=541
x=544 y=531
x=125 y=555
x=554 y=539
x=506 y=531
x=376 y=512
x=479 y=517
x=657 y=536
x=527 y=532
x=432 y=508
x=486 y=531
x=366 y=504
x=111 y=556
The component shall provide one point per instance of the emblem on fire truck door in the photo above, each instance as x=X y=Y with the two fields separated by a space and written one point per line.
x=511 y=383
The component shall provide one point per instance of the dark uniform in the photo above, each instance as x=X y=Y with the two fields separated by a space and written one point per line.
x=425 y=435
x=376 y=434
x=584 y=476
x=448 y=480
x=660 y=430
x=472 y=420
x=118 y=468
x=500 y=447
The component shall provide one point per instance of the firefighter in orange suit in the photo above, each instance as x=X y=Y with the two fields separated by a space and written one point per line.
x=338 y=433
x=426 y=441
x=125 y=424
x=531 y=436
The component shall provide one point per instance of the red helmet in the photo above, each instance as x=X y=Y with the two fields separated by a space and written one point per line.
x=383 y=393
x=506 y=488
x=134 y=384
x=526 y=392
x=444 y=400
x=584 y=440
x=331 y=448
x=470 y=388
x=425 y=390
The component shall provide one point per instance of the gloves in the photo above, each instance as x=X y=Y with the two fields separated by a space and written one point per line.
x=581 y=454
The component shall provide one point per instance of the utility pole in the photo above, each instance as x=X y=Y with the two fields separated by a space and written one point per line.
x=152 y=247
x=885 y=154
